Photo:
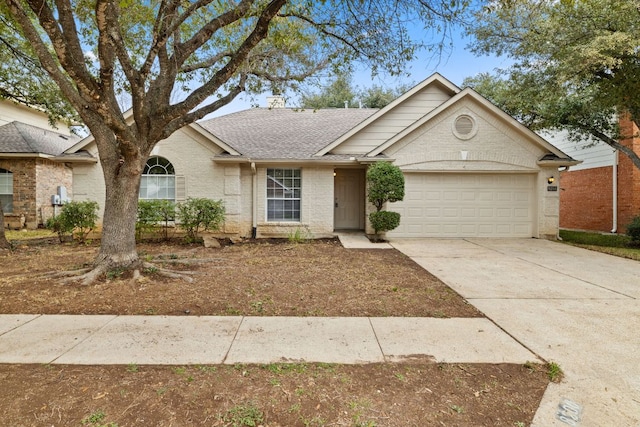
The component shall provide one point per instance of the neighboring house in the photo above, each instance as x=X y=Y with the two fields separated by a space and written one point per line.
x=603 y=192
x=32 y=169
x=471 y=170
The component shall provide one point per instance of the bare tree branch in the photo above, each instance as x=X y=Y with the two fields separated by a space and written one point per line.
x=259 y=32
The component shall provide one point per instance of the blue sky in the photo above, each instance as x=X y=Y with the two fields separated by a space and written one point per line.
x=455 y=65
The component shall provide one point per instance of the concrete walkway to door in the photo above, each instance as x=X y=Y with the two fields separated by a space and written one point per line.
x=578 y=308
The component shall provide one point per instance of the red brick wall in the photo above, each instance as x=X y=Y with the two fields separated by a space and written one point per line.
x=34 y=181
x=586 y=199
x=24 y=186
x=628 y=178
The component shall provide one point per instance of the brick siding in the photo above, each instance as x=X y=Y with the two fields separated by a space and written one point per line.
x=628 y=178
x=586 y=199
x=587 y=195
x=34 y=181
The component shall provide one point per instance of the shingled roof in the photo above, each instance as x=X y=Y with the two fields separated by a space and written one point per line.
x=284 y=133
x=21 y=138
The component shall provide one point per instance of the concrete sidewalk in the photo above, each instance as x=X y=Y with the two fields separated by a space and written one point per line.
x=177 y=340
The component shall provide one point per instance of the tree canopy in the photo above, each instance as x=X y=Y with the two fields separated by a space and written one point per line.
x=173 y=62
x=576 y=64
x=340 y=93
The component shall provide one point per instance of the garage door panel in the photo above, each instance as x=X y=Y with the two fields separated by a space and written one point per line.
x=466 y=205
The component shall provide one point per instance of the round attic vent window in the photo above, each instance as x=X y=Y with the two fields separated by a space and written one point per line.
x=464 y=127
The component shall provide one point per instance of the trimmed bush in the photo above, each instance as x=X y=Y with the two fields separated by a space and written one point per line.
x=199 y=214
x=382 y=221
x=386 y=184
x=76 y=219
x=151 y=213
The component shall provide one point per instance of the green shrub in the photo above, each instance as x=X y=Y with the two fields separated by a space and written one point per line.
x=633 y=230
x=382 y=221
x=386 y=184
x=76 y=219
x=199 y=214
x=58 y=226
x=151 y=213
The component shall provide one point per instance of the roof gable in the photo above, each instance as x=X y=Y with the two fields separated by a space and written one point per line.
x=396 y=116
x=485 y=105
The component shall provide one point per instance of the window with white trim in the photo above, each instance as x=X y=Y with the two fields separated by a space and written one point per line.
x=6 y=190
x=158 y=180
x=284 y=188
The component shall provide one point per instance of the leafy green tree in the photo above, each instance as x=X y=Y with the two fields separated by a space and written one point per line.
x=575 y=64
x=385 y=184
x=338 y=92
x=379 y=96
x=175 y=62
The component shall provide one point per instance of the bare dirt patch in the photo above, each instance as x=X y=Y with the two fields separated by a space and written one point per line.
x=265 y=279
x=398 y=395
x=260 y=279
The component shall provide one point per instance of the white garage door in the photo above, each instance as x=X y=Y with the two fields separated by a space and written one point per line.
x=466 y=205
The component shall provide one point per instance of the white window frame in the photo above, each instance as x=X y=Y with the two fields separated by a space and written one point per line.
x=6 y=190
x=162 y=177
x=289 y=193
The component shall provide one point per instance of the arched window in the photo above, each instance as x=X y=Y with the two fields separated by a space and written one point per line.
x=158 y=180
x=6 y=190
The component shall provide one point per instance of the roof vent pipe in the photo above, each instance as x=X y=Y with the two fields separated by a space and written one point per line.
x=276 y=101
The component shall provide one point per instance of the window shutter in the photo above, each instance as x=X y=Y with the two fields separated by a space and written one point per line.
x=181 y=188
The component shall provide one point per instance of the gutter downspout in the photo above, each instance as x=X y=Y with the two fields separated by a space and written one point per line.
x=254 y=203
x=614 y=173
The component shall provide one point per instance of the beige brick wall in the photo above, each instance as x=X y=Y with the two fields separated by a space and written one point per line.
x=192 y=158
x=316 y=217
x=495 y=147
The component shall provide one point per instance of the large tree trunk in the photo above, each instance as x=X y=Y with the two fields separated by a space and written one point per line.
x=118 y=245
x=4 y=243
x=122 y=165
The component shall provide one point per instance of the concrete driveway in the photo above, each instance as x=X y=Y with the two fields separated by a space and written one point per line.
x=578 y=308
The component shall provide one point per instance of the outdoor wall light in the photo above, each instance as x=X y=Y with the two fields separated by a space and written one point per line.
x=334 y=172
x=551 y=180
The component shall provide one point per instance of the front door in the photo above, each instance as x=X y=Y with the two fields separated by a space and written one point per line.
x=349 y=199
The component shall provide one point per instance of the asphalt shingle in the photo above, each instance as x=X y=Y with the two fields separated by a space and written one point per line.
x=284 y=133
x=16 y=137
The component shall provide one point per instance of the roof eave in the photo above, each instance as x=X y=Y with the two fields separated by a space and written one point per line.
x=70 y=158
x=310 y=161
x=27 y=155
x=559 y=162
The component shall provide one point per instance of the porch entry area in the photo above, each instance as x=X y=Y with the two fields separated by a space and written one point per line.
x=349 y=199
